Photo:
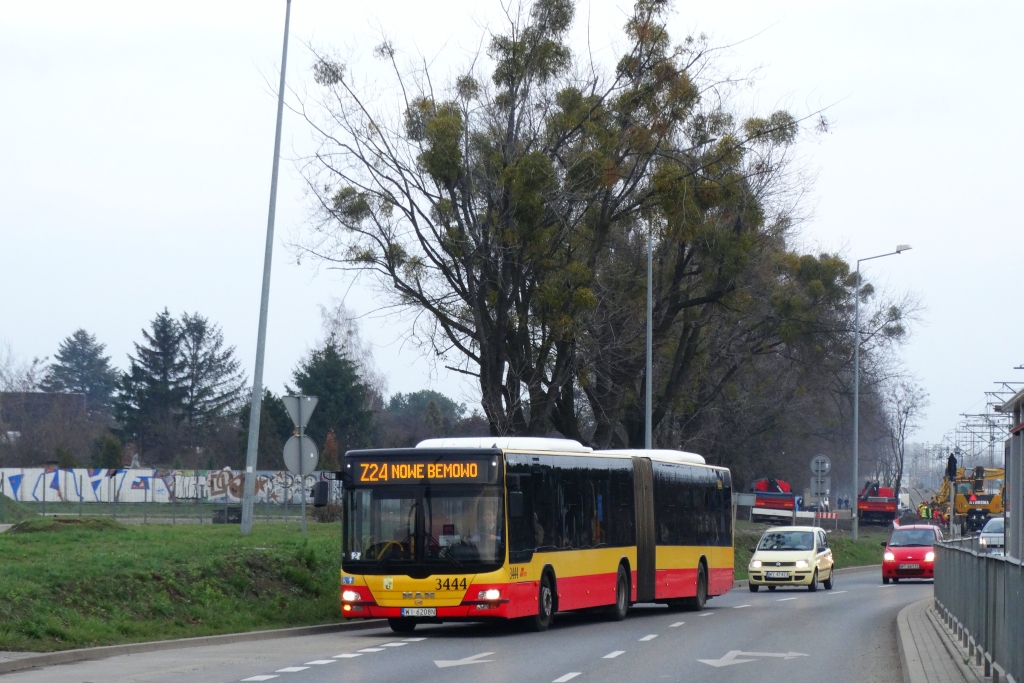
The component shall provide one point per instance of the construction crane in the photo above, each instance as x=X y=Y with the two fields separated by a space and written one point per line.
x=979 y=495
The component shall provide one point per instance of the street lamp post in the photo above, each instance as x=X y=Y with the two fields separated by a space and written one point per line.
x=856 y=385
x=249 y=489
x=649 y=376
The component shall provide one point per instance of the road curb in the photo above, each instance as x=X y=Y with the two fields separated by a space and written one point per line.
x=910 y=657
x=841 y=570
x=92 y=653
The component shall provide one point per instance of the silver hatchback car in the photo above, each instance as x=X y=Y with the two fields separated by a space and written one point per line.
x=990 y=539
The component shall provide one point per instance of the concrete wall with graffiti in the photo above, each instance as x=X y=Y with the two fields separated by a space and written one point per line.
x=148 y=485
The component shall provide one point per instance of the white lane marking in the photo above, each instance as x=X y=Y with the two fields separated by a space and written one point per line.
x=784 y=599
x=394 y=644
x=740 y=606
x=259 y=678
x=473 y=659
x=320 y=662
x=650 y=637
x=567 y=677
x=735 y=657
x=884 y=585
x=291 y=669
x=836 y=592
x=372 y=649
x=348 y=655
x=677 y=624
x=706 y=614
x=412 y=640
x=613 y=655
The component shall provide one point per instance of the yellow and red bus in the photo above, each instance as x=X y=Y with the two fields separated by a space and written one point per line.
x=521 y=528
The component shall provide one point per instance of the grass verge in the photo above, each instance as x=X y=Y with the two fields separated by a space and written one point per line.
x=69 y=583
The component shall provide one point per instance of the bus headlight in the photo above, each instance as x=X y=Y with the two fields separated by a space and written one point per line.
x=349 y=596
x=929 y=557
x=489 y=594
x=755 y=564
x=801 y=564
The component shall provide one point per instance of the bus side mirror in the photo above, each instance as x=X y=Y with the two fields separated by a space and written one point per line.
x=320 y=494
x=515 y=504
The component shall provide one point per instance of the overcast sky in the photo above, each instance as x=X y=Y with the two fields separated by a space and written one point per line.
x=137 y=140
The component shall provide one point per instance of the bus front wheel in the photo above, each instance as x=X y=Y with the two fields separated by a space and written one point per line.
x=400 y=625
x=545 y=606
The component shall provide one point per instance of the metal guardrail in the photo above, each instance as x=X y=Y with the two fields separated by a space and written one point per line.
x=981 y=598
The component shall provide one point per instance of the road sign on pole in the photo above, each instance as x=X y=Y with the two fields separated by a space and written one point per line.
x=821 y=486
x=300 y=408
x=820 y=465
x=300 y=454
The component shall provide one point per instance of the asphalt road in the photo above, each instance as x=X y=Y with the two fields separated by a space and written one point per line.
x=847 y=634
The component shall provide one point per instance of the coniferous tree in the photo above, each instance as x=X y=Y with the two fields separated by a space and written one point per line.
x=328 y=374
x=81 y=367
x=150 y=403
x=212 y=383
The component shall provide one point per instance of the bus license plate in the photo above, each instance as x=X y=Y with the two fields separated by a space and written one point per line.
x=777 y=575
x=910 y=566
x=419 y=611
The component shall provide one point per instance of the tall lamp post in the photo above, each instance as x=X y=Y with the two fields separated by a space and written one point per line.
x=249 y=490
x=856 y=385
x=649 y=372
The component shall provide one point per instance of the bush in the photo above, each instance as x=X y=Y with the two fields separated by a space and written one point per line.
x=329 y=513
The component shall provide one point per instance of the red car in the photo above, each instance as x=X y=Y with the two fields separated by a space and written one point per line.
x=910 y=553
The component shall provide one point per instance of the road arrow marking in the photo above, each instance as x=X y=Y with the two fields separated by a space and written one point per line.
x=475 y=659
x=736 y=657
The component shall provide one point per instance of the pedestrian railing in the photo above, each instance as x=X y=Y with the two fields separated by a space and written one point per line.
x=981 y=599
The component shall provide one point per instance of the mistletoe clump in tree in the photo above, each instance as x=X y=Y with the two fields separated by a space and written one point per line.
x=511 y=214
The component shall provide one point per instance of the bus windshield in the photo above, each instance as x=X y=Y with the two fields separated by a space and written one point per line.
x=396 y=529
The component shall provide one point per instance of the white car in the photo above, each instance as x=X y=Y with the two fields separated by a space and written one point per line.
x=991 y=537
x=791 y=556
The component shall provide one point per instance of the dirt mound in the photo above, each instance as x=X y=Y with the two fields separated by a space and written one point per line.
x=34 y=526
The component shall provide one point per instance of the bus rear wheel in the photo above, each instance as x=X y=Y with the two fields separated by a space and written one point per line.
x=698 y=601
x=545 y=606
x=622 y=594
x=401 y=625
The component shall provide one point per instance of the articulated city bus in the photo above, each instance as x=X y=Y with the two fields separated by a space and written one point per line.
x=521 y=528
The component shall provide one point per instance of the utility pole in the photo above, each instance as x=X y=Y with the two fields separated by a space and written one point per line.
x=856 y=389
x=650 y=372
x=261 y=335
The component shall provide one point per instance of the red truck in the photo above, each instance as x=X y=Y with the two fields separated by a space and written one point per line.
x=772 y=498
x=876 y=504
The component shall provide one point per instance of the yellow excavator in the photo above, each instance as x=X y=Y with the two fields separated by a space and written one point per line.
x=976 y=497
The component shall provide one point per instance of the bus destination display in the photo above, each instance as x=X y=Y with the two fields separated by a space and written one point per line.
x=413 y=472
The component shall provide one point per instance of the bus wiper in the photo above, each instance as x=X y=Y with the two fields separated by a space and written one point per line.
x=451 y=557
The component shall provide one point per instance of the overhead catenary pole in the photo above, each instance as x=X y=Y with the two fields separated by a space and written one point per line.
x=649 y=376
x=261 y=335
x=856 y=389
